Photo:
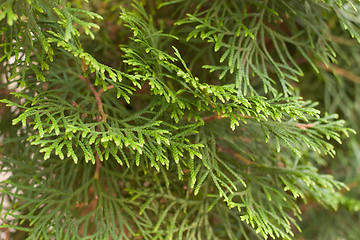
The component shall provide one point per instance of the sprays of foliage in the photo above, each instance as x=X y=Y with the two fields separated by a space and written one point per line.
x=178 y=119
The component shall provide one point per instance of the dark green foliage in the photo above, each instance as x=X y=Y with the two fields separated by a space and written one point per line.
x=179 y=119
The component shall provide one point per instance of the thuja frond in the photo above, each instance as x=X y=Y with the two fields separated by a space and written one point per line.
x=347 y=14
x=249 y=39
x=25 y=26
x=127 y=209
x=141 y=134
x=213 y=94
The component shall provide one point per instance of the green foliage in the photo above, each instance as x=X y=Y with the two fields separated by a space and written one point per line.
x=132 y=123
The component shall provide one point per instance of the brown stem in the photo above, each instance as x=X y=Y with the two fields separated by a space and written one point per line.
x=342 y=40
x=100 y=104
x=4 y=91
x=101 y=91
x=7 y=234
x=102 y=118
x=305 y=126
x=7 y=230
x=212 y=118
x=341 y=72
x=235 y=154
x=98 y=164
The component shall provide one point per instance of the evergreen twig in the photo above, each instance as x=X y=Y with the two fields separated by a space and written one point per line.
x=212 y=128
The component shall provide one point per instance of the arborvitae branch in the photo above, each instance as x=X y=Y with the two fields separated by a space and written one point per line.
x=97 y=94
x=199 y=124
